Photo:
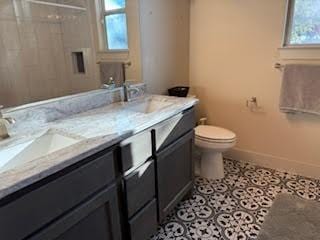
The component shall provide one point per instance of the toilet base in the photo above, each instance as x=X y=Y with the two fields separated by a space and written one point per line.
x=212 y=166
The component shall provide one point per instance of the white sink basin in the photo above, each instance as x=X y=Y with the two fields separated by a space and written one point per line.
x=23 y=153
x=148 y=106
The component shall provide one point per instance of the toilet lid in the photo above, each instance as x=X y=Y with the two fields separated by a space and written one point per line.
x=214 y=133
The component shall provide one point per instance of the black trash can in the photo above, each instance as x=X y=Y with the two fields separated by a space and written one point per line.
x=179 y=91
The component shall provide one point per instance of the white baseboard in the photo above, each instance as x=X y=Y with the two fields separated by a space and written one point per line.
x=274 y=162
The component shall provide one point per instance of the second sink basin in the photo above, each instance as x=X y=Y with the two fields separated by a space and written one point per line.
x=23 y=153
x=148 y=106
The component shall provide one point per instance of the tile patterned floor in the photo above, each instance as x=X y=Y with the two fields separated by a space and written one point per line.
x=233 y=208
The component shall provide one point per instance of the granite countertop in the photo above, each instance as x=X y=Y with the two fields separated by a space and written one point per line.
x=96 y=130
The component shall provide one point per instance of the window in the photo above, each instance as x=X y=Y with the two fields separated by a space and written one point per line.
x=303 y=23
x=115 y=24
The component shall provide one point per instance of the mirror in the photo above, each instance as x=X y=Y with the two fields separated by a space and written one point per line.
x=53 y=48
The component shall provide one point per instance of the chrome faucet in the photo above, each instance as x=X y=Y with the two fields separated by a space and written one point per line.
x=128 y=90
x=3 y=129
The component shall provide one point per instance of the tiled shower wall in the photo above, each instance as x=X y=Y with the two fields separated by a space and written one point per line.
x=35 y=51
x=77 y=37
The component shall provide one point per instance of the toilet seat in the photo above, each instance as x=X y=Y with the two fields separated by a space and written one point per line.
x=213 y=134
x=215 y=140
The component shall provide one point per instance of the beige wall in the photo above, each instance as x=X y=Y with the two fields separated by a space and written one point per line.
x=233 y=51
x=165 y=43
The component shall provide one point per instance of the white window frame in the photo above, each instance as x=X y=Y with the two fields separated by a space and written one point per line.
x=105 y=13
x=288 y=28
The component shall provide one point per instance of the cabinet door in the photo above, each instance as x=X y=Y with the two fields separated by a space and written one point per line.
x=51 y=198
x=97 y=218
x=174 y=173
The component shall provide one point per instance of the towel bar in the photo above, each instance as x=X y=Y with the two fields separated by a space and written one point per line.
x=278 y=66
x=126 y=64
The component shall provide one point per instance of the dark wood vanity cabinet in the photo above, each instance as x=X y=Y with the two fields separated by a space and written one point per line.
x=123 y=192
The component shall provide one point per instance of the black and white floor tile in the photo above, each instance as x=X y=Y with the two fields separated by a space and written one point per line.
x=233 y=208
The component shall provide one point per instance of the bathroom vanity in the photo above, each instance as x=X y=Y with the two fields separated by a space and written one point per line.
x=119 y=189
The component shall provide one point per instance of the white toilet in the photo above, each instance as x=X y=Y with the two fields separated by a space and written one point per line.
x=213 y=141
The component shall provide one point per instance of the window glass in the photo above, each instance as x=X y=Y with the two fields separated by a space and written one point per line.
x=305 y=22
x=116 y=29
x=114 y=4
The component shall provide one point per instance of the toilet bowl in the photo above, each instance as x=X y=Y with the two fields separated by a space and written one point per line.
x=213 y=141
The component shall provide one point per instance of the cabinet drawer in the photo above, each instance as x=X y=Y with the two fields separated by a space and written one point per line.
x=136 y=150
x=140 y=187
x=144 y=224
x=170 y=130
x=35 y=209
